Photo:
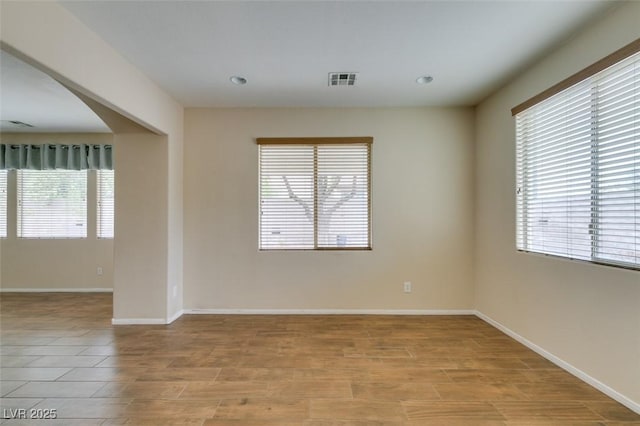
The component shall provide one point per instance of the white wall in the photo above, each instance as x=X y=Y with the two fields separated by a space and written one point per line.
x=422 y=180
x=55 y=263
x=585 y=314
x=141 y=208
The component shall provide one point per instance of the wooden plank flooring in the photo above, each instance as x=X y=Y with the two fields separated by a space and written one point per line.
x=59 y=351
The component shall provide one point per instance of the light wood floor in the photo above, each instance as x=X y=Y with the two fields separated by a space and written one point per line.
x=60 y=352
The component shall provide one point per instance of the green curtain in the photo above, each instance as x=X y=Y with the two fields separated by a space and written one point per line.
x=56 y=156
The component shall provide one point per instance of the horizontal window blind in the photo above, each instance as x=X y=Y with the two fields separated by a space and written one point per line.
x=578 y=169
x=342 y=195
x=52 y=203
x=315 y=196
x=105 y=203
x=3 y=203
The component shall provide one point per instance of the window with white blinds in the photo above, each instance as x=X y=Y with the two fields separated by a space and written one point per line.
x=315 y=195
x=578 y=169
x=52 y=203
x=105 y=203
x=3 y=203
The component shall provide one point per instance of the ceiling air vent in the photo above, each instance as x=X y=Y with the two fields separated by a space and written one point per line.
x=16 y=123
x=342 y=78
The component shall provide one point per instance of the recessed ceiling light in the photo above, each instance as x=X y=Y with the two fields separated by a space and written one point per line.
x=424 y=79
x=238 y=80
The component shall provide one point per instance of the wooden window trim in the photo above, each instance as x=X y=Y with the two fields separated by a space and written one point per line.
x=604 y=63
x=314 y=141
x=311 y=141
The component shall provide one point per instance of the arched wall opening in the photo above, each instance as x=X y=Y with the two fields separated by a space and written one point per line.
x=147 y=127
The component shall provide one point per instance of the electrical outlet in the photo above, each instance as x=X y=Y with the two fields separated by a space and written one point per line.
x=175 y=291
x=407 y=286
x=99 y=270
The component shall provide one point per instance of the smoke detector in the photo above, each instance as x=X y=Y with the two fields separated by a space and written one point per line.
x=425 y=79
x=342 y=78
x=236 y=79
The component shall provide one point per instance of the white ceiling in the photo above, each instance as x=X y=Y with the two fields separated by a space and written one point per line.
x=31 y=96
x=285 y=49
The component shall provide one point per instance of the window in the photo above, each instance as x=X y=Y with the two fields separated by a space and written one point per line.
x=52 y=203
x=578 y=168
x=105 y=204
x=3 y=203
x=315 y=193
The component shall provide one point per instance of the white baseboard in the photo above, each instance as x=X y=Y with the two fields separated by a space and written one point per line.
x=330 y=311
x=632 y=405
x=147 y=321
x=138 y=321
x=56 y=290
x=175 y=316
